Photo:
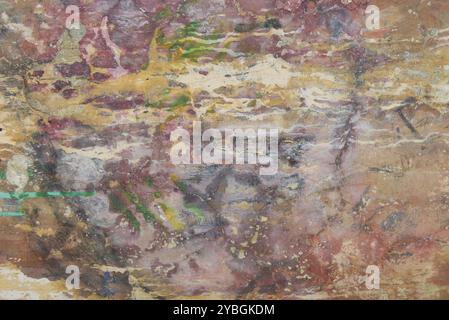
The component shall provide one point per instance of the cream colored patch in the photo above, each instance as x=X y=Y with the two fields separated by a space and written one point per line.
x=268 y=71
x=15 y=285
x=17 y=171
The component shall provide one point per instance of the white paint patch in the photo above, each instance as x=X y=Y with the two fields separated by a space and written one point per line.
x=17 y=171
x=16 y=285
x=268 y=71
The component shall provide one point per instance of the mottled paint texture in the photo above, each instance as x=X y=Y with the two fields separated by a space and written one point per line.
x=86 y=116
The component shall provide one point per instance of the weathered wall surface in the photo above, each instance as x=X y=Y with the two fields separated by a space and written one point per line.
x=363 y=173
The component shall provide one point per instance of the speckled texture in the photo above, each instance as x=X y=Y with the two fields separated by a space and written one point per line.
x=363 y=173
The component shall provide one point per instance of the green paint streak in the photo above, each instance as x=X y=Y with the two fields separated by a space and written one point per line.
x=179 y=102
x=118 y=205
x=213 y=36
x=132 y=219
x=196 y=52
x=199 y=214
x=33 y=195
x=189 y=30
x=181 y=185
x=153 y=104
x=12 y=214
x=160 y=38
x=147 y=214
x=193 y=43
x=145 y=66
x=150 y=182
x=157 y=194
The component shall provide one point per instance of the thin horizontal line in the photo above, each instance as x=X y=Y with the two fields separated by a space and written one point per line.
x=11 y=214
x=30 y=195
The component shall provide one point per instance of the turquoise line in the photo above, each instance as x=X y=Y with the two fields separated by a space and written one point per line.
x=34 y=195
x=11 y=214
